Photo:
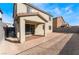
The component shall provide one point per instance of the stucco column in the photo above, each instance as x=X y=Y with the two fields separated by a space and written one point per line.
x=22 y=30
x=17 y=30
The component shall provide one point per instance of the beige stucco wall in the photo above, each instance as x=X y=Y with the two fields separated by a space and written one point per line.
x=49 y=23
x=39 y=12
x=21 y=8
x=39 y=29
x=33 y=19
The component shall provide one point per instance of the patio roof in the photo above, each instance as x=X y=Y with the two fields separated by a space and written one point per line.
x=32 y=15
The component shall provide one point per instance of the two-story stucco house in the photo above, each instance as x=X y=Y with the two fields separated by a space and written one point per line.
x=30 y=20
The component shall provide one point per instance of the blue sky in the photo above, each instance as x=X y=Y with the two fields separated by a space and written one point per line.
x=70 y=12
x=7 y=9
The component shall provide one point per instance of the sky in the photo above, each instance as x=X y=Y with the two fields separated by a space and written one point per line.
x=70 y=12
x=7 y=9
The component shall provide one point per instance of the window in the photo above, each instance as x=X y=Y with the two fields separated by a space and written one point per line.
x=49 y=27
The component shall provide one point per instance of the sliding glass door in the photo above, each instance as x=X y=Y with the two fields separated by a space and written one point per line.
x=29 y=29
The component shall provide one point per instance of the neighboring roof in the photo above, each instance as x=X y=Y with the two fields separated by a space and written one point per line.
x=37 y=8
x=25 y=14
x=59 y=17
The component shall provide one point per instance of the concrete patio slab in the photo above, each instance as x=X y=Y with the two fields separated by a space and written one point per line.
x=52 y=41
x=50 y=47
x=33 y=51
x=15 y=48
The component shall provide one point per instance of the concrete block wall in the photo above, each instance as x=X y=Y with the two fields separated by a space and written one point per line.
x=2 y=33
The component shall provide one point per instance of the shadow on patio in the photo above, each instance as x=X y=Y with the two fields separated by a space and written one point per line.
x=72 y=46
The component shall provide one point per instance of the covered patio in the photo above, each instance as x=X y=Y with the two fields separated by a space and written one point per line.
x=29 y=25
